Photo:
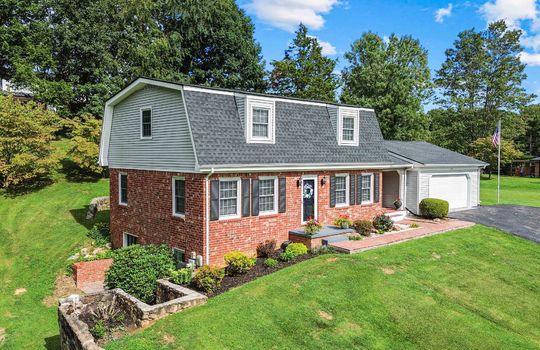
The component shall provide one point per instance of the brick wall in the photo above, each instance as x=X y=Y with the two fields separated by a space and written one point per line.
x=148 y=214
x=90 y=271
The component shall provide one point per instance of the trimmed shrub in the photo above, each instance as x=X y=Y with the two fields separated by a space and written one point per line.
x=238 y=262
x=432 y=208
x=136 y=269
x=208 y=278
x=181 y=276
x=266 y=249
x=297 y=249
x=271 y=263
x=383 y=223
x=363 y=227
x=287 y=256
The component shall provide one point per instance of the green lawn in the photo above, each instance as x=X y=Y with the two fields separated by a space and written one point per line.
x=38 y=232
x=475 y=288
x=514 y=190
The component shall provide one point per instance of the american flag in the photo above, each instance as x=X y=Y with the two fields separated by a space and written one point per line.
x=496 y=139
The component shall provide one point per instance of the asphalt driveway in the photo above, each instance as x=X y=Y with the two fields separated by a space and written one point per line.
x=516 y=219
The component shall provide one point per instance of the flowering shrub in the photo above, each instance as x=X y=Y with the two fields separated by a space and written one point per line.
x=312 y=226
x=343 y=221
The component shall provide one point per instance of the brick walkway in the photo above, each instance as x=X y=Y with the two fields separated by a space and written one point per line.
x=426 y=229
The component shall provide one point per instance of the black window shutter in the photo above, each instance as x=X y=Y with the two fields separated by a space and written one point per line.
x=282 y=195
x=352 y=194
x=359 y=190
x=214 y=199
x=254 y=197
x=332 y=191
x=376 y=187
x=245 y=197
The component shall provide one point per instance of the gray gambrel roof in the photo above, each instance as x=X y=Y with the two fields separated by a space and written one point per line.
x=428 y=154
x=305 y=134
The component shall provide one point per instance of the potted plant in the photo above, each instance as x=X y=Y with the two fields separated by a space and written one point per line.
x=398 y=203
x=343 y=221
x=312 y=226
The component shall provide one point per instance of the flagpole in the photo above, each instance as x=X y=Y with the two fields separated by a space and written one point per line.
x=499 y=166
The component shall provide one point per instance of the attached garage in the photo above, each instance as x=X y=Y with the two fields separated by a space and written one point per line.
x=436 y=172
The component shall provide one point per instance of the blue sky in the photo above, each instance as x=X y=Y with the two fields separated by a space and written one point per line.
x=337 y=23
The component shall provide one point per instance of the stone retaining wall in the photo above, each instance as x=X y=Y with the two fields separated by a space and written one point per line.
x=72 y=311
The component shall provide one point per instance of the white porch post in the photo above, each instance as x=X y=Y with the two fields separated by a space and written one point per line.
x=402 y=191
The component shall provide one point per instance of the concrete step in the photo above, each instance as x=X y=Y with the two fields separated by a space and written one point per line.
x=330 y=240
x=397 y=216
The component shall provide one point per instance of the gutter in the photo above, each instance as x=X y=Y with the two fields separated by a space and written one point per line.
x=207 y=221
x=300 y=167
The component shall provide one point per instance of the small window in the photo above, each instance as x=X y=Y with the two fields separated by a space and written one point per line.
x=260 y=120
x=341 y=190
x=367 y=188
x=348 y=126
x=267 y=195
x=179 y=256
x=146 y=123
x=129 y=239
x=123 y=188
x=179 y=196
x=228 y=198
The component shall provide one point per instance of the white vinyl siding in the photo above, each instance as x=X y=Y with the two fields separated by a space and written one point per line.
x=229 y=198
x=267 y=195
x=342 y=190
x=367 y=188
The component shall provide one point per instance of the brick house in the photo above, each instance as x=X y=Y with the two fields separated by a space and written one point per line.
x=209 y=171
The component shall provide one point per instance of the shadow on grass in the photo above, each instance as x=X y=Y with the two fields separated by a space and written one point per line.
x=53 y=342
x=27 y=188
x=80 y=216
x=75 y=174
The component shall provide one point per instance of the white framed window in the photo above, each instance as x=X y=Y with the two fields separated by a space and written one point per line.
x=179 y=196
x=367 y=188
x=129 y=239
x=342 y=190
x=146 y=123
x=123 y=188
x=229 y=198
x=260 y=120
x=348 y=125
x=268 y=195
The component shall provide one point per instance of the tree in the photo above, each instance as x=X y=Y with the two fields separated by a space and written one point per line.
x=531 y=137
x=76 y=54
x=480 y=83
x=84 y=152
x=26 y=132
x=484 y=150
x=392 y=77
x=304 y=72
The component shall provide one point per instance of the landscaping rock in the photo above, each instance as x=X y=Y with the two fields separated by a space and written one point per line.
x=97 y=204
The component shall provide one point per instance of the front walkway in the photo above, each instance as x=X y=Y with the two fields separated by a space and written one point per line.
x=426 y=228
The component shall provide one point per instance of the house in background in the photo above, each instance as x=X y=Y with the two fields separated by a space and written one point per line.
x=208 y=170
x=6 y=87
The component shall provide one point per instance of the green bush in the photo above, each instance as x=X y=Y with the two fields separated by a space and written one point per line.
x=287 y=256
x=383 y=223
x=100 y=234
x=355 y=238
x=208 y=278
x=99 y=330
x=272 y=263
x=363 y=227
x=238 y=262
x=181 y=276
x=136 y=269
x=432 y=208
x=321 y=250
x=297 y=249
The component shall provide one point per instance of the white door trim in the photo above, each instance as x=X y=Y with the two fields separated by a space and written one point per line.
x=315 y=194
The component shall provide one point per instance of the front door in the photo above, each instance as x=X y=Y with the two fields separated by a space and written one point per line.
x=309 y=194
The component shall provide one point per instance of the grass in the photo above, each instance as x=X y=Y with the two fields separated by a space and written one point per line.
x=38 y=232
x=514 y=190
x=475 y=288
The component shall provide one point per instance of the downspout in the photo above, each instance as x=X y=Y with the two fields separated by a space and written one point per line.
x=207 y=219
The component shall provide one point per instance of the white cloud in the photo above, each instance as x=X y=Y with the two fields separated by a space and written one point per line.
x=531 y=41
x=532 y=59
x=327 y=48
x=386 y=39
x=287 y=14
x=443 y=12
x=512 y=11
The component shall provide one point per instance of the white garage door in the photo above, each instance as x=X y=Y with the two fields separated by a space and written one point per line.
x=451 y=188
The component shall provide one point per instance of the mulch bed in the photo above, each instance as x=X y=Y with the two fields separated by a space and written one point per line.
x=257 y=271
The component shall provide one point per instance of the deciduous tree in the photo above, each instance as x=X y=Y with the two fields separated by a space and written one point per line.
x=483 y=149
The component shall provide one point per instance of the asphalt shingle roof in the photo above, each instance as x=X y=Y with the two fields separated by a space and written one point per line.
x=427 y=153
x=304 y=135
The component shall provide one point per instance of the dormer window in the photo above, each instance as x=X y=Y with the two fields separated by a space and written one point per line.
x=348 y=122
x=260 y=121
